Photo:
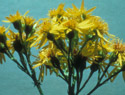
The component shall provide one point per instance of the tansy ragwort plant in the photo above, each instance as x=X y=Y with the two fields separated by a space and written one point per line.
x=70 y=41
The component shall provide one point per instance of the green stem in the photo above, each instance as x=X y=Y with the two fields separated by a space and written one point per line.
x=70 y=86
x=100 y=84
x=110 y=77
x=13 y=59
x=39 y=89
x=82 y=47
x=22 y=60
x=77 y=80
x=104 y=72
x=36 y=82
x=79 y=83
x=90 y=75
x=65 y=78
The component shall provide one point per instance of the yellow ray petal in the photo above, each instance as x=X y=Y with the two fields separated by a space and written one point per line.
x=90 y=10
x=37 y=65
x=17 y=13
x=26 y=13
x=101 y=36
x=82 y=5
x=120 y=59
x=6 y=21
x=75 y=8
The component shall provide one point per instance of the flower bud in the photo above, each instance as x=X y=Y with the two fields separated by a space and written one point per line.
x=17 y=45
x=2 y=48
x=55 y=62
x=17 y=24
x=113 y=57
x=80 y=62
x=70 y=35
x=28 y=29
x=50 y=36
x=94 y=67
x=3 y=38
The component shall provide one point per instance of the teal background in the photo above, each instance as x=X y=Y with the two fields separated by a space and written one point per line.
x=15 y=82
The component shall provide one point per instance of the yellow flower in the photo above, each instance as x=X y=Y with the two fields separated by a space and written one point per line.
x=2 y=29
x=2 y=58
x=79 y=14
x=57 y=15
x=15 y=17
x=30 y=25
x=101 y=29
x=70 y=24
x=29 y=21
x=12 y=38
x=41 y=35
x=119 y=48
x=3 y=34
x=58 y=12
x=44 y=59
x=46 y=53
x=44 y=56
x=100 y=25
x=82 y=28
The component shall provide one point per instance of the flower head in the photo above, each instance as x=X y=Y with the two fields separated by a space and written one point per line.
x=29 y=21
x=3 y=35
x=14 y=41
x=29 y=24
x=16 y=20
x=119 y=49
x=2 y=29
x=44 y=59
x=79 y=14
x=58 y=12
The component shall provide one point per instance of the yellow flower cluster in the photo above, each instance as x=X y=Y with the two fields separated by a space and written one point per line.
x=78 y=31
x=11 y=41
x=66 y=36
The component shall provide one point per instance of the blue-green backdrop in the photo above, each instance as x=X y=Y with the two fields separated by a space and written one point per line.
x=15 y=82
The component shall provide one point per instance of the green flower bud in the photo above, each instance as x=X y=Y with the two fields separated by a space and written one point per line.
x=70 y=35
x=55 y=62
x=113 y=57
x=2 y=48
x=28 y=29
x=94 y=67
x=17 y=45
x=80 y=62
x=50 y=36
x=17 y=25
x=3 y=38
